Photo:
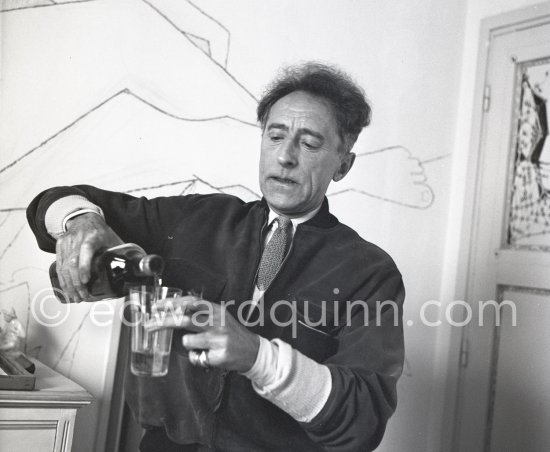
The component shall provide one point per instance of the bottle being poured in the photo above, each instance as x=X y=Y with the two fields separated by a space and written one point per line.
x=114 y=270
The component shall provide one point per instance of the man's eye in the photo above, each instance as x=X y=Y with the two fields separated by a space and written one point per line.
x=310 y=146
x=275 y=138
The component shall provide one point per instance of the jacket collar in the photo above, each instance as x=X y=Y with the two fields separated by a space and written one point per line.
x=322 y=219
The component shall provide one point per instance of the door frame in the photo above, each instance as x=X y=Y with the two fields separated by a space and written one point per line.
x=491 y=28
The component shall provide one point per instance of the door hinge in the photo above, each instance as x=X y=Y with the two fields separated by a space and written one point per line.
x=487 y=98
x=464 y=353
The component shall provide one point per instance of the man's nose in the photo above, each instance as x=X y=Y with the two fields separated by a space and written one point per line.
x=287 y=156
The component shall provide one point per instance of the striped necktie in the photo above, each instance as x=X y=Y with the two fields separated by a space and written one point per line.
x=274 y=252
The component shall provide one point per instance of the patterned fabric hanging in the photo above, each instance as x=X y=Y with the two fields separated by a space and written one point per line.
x=530 y=203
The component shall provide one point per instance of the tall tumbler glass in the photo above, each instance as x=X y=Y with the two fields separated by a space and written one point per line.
x=150 y=351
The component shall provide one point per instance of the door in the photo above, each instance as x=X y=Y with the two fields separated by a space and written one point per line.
x=503 y=402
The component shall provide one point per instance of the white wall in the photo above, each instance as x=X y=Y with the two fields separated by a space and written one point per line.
x=416 y=61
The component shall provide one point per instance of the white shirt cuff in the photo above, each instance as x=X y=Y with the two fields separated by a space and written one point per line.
x=289 y=379
x=64 y=209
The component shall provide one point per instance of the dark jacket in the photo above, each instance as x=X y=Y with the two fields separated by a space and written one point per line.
x=212 y=246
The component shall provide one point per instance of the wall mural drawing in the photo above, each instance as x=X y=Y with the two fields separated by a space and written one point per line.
x=148 y=120
x=209 y=50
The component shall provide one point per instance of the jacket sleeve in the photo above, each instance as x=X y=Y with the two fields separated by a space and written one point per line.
x=136 y=220
x=365 y=368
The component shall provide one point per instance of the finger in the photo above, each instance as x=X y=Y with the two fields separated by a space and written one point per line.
x=66 y=264
x=193 y=323
x=197 y=341
x=85 y=261
x=202 y=341
x=75 y=278
x=62 y=295
x=59 y=265
x=202 y=306
x=161 y=321
x=68 y=287
x=63 y=248
x=176 y=303
x=59 y=271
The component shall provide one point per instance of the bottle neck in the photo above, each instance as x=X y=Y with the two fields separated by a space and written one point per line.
x=151 y=265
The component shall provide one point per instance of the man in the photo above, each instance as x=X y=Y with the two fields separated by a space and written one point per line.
x=317 y=373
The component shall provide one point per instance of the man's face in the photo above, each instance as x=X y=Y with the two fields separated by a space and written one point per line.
x=299 y=155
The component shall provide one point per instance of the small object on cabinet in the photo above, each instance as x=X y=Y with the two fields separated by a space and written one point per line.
x=14 y=376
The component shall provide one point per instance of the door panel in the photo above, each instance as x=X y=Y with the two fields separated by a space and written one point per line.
x=519 y=407
x=503 y=402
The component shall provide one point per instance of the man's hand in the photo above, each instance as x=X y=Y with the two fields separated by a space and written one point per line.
x=228 y=343
x=85 y=234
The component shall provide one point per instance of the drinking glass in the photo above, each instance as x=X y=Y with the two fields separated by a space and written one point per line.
x=150 y=351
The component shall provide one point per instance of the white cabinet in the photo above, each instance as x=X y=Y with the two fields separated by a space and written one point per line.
x=43 y=419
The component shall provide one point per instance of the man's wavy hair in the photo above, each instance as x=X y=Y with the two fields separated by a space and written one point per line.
x=349 y=104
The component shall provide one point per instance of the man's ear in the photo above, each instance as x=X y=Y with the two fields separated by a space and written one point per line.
x=345 y=165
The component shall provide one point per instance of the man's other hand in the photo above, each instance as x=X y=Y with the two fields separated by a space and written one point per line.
x=85 y=234
x=211 y=328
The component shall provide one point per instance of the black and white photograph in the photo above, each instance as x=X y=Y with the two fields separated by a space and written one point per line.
x=274 y=226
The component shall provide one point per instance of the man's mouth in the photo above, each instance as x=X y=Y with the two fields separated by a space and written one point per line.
x=283 y=180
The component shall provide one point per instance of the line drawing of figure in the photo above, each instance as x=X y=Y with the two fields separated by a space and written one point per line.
x=203 y=45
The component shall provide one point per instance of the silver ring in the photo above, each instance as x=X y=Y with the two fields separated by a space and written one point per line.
x=194 y=357
x=203 y=359
x=197 y=358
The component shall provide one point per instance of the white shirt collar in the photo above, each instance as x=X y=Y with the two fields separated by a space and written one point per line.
x=295 y=221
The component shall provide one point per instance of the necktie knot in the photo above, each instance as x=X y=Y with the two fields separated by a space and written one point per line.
x=283 y=222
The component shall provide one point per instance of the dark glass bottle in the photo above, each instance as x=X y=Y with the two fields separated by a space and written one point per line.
x=115 y=270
